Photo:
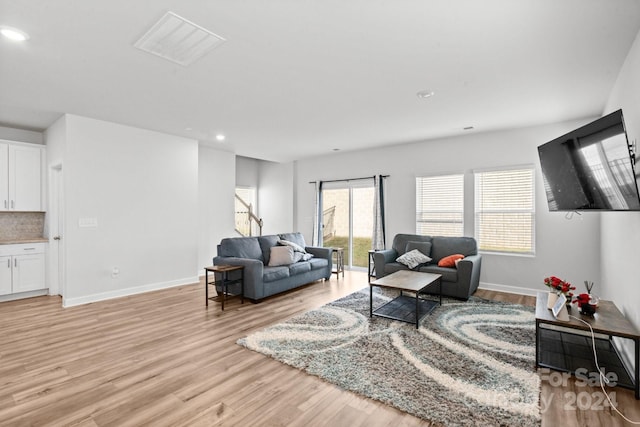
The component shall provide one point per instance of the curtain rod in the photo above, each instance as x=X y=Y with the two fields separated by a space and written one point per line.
x=350 y=179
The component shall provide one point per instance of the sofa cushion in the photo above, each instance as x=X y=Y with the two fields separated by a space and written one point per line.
x=424 y=247
x=318 y=263
x=296 y=238
x=400 y=242
x=448 y=274
x=392 y=267
x=266 y=242
x=450 y=261
x=241 y=247
x=445 y=246
x=271 y=274
x=413 y=259
x=299 y=267
x=281 y=255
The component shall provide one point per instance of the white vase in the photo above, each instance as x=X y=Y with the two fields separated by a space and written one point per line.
x=551 y=299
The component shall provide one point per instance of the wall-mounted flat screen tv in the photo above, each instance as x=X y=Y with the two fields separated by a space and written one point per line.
x=591 y=168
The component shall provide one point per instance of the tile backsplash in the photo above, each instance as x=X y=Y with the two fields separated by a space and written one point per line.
x=21 y=225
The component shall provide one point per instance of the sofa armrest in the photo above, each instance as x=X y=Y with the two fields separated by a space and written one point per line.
x=380 y=258
x=253 y=271
x=320 y=252
x=469 y=271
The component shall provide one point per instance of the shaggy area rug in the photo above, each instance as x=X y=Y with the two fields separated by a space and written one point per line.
x=469 y=363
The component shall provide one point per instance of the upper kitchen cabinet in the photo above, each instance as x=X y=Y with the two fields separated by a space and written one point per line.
x=20 y=176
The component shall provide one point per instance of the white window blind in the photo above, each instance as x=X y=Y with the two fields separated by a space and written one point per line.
x=505 y=211
x=440 y=205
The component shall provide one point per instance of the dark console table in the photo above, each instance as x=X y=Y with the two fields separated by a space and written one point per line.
x=565 y=347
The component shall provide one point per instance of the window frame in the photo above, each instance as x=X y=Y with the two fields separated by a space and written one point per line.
x=461 y=177
x=477 y=210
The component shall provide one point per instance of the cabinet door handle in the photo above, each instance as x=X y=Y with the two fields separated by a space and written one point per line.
x=29 y=249
x=5 y=204
x=9 y=263
x=13 y=204
x=15 y=262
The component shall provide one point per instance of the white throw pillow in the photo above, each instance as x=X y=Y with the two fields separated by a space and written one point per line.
x=281 y=255
x=413 y=258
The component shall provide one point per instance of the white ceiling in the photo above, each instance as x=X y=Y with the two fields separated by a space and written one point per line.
x=300 y=78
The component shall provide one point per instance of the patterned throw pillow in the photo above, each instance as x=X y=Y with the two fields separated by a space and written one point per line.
x=413 y=258
x=300 y=253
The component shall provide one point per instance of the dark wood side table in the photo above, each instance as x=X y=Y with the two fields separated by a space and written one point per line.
x=566 y=346
x=372 y=266
x=339 y=253
x=223 y=272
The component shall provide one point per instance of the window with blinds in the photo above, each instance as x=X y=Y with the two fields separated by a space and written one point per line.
x=505 y=211
x=440 y=205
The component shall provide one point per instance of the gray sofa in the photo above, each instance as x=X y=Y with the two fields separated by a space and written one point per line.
x=459 y=282
x=261 y=280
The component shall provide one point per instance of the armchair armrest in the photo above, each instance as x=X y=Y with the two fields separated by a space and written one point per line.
x=380 y=258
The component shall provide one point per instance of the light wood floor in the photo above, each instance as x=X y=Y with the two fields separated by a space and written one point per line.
x=163 y=358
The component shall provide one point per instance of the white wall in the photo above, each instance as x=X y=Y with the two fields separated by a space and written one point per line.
x=274 y=185
x=566 y=248
x=142 y=188
x=621 y=230
x=275 y=197
x=217 y=172
x=247 y=172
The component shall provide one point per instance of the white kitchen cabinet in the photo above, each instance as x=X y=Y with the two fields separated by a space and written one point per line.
x=5 y=275
x=22 y=268
x=20 y=176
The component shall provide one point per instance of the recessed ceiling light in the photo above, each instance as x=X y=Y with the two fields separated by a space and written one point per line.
x=335 y=149
x=14 y=34
x=425 y=93
x=220 y=137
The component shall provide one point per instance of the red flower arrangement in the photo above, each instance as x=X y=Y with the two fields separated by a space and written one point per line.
x=560 y=286
x=582 y=299
x=586 y=304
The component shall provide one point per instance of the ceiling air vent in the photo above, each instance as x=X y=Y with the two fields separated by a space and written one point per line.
x=178 y=40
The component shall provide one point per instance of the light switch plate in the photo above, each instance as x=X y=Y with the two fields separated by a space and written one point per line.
x=88 y=222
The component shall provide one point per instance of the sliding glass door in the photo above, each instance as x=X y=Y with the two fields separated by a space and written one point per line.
x=347 y=220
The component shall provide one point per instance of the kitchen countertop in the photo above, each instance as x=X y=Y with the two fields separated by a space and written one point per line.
x=18 y=241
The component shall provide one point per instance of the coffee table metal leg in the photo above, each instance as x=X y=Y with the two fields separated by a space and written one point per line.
x=370 y=301
x=417 y=310
x=206 y=286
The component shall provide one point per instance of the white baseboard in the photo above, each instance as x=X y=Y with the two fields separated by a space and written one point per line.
x=22 y=295
x=70 y=302
x=508 y=289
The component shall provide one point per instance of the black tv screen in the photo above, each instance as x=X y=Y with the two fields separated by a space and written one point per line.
x=591 y=168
